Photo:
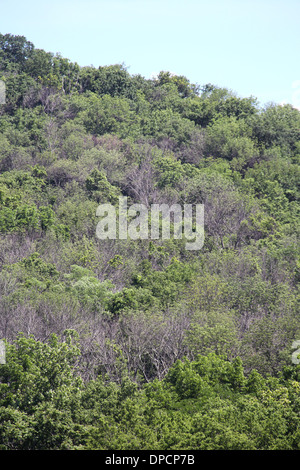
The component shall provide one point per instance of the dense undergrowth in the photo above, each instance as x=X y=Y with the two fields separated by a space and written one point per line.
x=171 y=348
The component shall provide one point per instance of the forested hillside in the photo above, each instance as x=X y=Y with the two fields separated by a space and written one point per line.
x=142 y=344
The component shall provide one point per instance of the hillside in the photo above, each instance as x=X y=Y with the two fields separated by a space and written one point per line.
x=110 y=341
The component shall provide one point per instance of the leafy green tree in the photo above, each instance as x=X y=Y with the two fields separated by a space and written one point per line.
x=109 y=115
x=16 y=88
x=277 y=126
x=15 y=49
x=230 y=139
x=113 y=80
x=39 y=65
x=184 y=87
x=99 y=187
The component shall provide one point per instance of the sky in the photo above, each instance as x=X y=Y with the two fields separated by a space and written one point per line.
x=249 y=47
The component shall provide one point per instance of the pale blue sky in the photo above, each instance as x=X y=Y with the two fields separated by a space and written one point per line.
x=251 y=47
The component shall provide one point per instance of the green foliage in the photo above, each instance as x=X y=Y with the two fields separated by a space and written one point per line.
x=93 y=294
x=205 y=404
x=113 y=80
x=277 y=125
x=100 y=189
x=108 y=115
x=230 y=138
x=184 y=87
x=174 y=349
x=14 y=49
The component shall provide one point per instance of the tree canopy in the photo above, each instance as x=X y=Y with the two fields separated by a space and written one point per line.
x=142 y=344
